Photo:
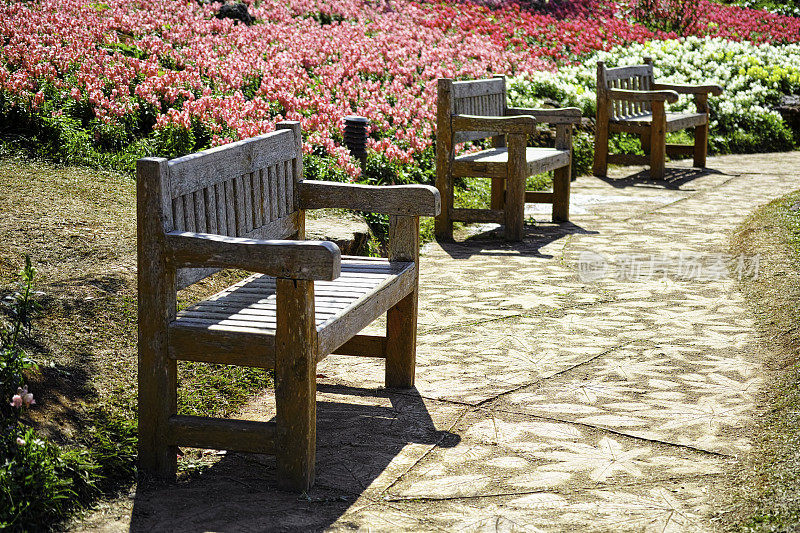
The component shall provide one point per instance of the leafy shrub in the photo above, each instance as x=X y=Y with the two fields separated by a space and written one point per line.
x=39 y=482
x=582 y=153
x=111 y=443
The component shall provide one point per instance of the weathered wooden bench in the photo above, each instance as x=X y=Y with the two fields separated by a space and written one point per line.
x=630 y=100
x=233 y=206
x=477 y=109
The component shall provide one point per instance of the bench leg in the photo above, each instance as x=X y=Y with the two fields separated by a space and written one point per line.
x=700 y=146
x=701 y=132
x=515 y=187
x=157 y=402
x=401 y=342
x=658 y=141
x=515 y=209
x=600 y=167
x=443 y=224
x=295 y=384
x=561 y=179
x=157 y=373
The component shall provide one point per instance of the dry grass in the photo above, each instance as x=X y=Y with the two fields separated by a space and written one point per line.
x=79 y=227
x=769 y=495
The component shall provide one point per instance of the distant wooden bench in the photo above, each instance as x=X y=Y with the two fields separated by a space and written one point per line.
x=233 y=206
x=477 y=109
x=630 y=100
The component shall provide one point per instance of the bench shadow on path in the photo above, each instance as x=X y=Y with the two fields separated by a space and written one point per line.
x=674 y=178
x=491 y=242
x=357 y=439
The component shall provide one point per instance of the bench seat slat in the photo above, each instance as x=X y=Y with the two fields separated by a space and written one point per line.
x=675 y=121
x=222 y=328
x=193 y=172
x=494 y=162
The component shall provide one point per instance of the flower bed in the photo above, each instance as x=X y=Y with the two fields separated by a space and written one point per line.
x=742 y=119
x=111 y=82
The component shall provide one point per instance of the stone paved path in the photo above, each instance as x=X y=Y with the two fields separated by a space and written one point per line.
x=599 y=376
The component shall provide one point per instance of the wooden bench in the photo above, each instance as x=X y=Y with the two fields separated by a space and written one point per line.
x=475 y=110
x=629 y=100
x=233 y=207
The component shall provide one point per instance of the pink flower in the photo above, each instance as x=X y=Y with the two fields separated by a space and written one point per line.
x=20 y=441
x=28 y=399
x=235 y=81
x=22 y=397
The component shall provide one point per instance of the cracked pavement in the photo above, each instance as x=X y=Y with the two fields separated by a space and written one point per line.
x=601 y=375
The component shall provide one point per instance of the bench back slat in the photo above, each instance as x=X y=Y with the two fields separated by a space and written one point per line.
x=636 y=78
x=477 y=97
x=620 y=73
x=197 y=171
x=210 y=192
x=242 y=189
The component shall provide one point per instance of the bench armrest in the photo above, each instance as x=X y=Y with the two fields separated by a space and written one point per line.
x=518 y=124
x=565 y=115
x=643 y=96
x=681 y=88
x=309 y=260
x=408 y=200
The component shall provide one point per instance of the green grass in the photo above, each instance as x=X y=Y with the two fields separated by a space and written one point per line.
x=769 y=482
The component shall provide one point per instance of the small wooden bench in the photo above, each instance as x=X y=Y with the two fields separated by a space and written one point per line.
x=630 y=100
x=234 y=207
x=477 y=109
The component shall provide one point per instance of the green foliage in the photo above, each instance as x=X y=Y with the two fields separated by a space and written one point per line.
x=472 y=193
x=789 y=8
x=18 y=310
x=111 y=443
x=379 y=170
x=66 y=131
x=129 y=50
x=772 y=476
x=39 y=482
x=582 y=153
x=625 y=143
x=318 y=166
x=753 y=134
x=742 y=119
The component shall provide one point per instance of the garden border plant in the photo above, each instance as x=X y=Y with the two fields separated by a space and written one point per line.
x=39 y=482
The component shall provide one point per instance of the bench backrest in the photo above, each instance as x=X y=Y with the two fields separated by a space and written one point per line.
x=242 y=189
x=475 y=97
x=632 y=78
